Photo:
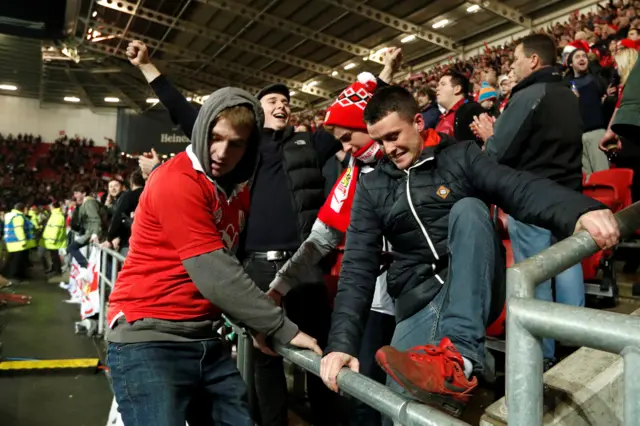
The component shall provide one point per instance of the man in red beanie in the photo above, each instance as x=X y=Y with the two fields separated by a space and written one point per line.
x=345 y=119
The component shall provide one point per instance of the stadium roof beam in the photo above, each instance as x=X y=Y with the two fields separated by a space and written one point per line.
x=198 y=56
x=212 y=80
x=399 y=24
x=222 y=38
x=505 y=11
x=286 y=25
x=117 y=91
x=84 y=96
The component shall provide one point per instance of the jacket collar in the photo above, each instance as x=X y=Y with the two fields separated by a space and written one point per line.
x=544 y=75
x=428 y=157
x=279 y=135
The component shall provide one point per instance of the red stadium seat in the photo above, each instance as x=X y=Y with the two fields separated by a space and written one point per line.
x=612 y=188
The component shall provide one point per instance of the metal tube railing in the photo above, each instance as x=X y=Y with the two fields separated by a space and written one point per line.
x=104 y=280
x=529 y=320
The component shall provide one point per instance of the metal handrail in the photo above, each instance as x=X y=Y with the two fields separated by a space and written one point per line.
x=104 y=280
x=399 y=408
x=529 y=320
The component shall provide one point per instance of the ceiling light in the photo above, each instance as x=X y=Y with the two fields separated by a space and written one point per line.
x=473 y=9
x=189 y=99
x=112 y=99
x=292 y=92
x=350 y=66
x=334 y=73
x=152 y=101
x=94 y=14
x=441 y=23
x=408 y=39
x=312 y=83
x=71 y=99
x=8 y=87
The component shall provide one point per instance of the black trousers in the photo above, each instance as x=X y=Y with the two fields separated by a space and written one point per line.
x=17 y=265
x=307 y=306
x=56 y=264
x=377 y=333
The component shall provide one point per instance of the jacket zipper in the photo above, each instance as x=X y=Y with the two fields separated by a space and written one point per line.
x=420 y=224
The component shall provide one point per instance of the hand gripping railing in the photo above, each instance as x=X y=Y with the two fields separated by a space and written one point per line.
x=402 y=410
x=529 y=320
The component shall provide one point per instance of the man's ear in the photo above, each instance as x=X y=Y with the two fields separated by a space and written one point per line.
x=418 y=122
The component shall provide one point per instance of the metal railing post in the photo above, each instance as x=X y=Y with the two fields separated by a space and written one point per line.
x=529 y=320
x=244 y=362
x=101 y=281
x=631 y=356
x=114 y=270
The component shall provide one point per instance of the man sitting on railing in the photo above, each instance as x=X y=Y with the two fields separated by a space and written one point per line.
x=167 y=362
x=429 y=198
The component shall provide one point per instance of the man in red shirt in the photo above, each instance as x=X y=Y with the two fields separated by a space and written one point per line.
x=452 y=95
x=167 y=363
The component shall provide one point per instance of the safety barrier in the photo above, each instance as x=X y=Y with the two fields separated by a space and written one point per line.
x=109 y=259
x=400 y=409
x=529 y=320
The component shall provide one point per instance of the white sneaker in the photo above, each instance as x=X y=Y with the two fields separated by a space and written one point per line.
x=64 y=285
x=73 y=301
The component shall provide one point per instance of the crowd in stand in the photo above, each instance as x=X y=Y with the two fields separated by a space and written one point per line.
x=390 y=186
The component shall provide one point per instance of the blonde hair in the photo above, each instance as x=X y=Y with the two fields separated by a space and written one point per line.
x=625 y=59
x=239 y=116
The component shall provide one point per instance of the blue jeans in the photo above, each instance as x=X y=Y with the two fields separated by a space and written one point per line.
x=171 y=383
x=460 y=310
x=529 y=240
x=74 y=251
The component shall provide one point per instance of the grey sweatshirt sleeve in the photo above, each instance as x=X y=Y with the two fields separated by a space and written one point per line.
x=221 y=279
x=322 y=240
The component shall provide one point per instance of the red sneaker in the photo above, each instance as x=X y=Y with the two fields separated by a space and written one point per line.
x=433 y=374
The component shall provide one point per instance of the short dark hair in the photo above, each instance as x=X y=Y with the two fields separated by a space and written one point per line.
x=459 y=79
x=55 y=204
x=428 y=92
x=19 y=206
x=388 y=100
x=541 y=45
x=81 y=188
x=136 y=178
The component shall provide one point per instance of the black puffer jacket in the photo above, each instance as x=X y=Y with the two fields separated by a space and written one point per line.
x=411 y=210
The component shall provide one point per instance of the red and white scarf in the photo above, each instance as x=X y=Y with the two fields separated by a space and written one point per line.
x=336 y=211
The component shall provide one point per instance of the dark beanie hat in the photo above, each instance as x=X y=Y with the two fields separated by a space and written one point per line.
x=274 y=88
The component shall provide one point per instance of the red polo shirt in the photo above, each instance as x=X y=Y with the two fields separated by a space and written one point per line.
x=447 y=120
x=181 y=214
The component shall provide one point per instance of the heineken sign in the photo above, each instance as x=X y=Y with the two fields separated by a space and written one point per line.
x=138 y=133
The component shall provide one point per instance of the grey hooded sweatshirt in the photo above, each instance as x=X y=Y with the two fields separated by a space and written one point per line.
x=218 y=275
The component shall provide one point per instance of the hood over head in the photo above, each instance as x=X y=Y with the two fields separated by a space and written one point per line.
x=217 y=102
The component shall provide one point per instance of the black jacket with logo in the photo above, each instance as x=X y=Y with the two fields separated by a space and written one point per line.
x=411 y=210
x=540 y=130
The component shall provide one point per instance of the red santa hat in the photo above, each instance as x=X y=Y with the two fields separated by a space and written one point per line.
x=628 y=43
x=348 y=110
x=571 y=48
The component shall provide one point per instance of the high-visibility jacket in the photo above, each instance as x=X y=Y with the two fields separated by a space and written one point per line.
x=34 y=218
x=55 y=233
x=18 y=232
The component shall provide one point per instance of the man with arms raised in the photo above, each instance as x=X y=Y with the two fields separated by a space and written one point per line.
x=429 y=198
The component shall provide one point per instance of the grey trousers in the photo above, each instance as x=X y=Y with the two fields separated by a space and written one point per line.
x=593 y=160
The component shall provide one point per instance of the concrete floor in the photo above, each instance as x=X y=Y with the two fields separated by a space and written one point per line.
x=44 y=330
